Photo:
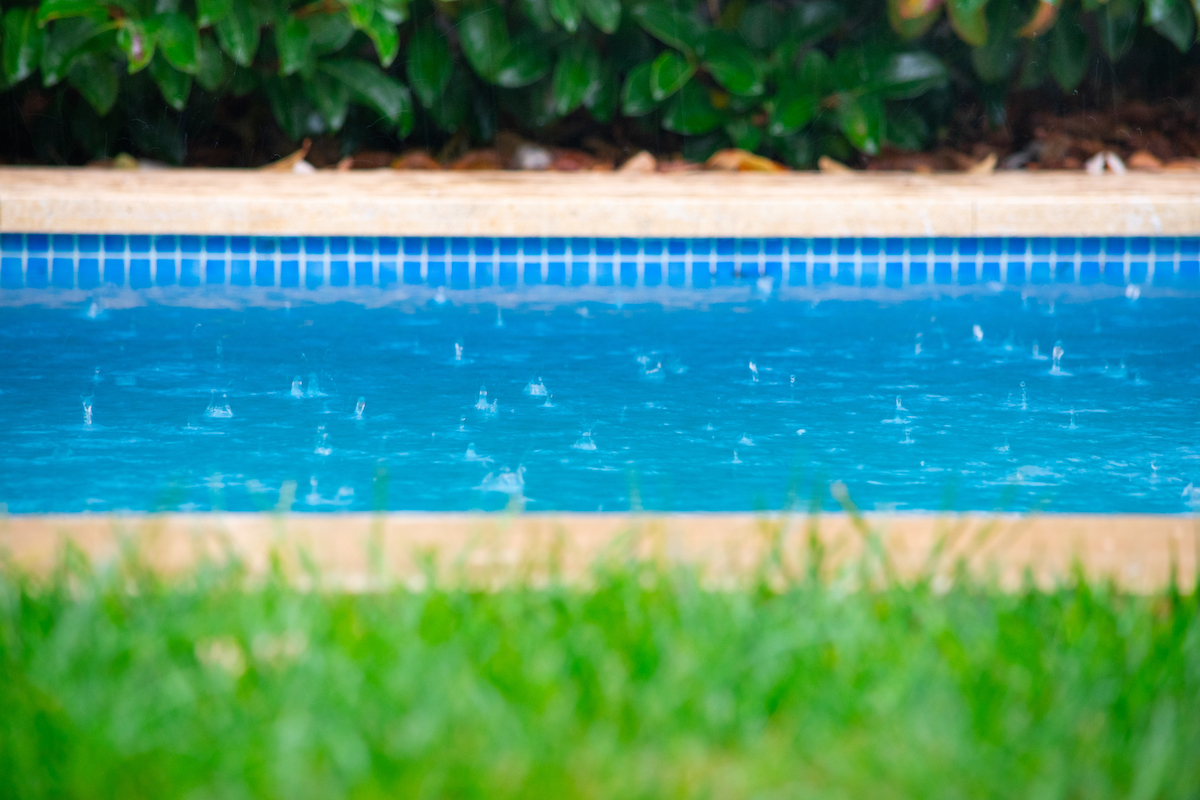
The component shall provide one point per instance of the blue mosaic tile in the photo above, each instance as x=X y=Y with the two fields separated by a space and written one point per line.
x=87 y=261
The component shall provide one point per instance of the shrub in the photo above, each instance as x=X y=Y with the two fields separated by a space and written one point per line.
x=787 y=79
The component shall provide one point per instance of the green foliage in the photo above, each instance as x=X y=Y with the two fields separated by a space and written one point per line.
x=644 y=684
x=790 y=79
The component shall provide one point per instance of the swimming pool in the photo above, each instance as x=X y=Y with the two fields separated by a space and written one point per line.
x=151 y=373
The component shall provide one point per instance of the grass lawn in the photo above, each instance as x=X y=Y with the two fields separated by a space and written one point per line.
x=643 y=684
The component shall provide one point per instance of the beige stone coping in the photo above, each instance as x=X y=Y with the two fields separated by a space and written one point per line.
x=698 y=204
x=356 y=551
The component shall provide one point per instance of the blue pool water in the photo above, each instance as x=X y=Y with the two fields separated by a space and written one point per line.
x=646 y=406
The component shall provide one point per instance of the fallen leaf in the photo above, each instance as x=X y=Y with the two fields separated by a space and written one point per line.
x=640 y=162
x=289 y=162
x=828 y=165
x=415 y=159
x=735 y=160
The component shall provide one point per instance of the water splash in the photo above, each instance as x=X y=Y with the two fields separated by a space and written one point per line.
x=322 y=448
x=359 y=407
x=536 y=388
x=458 y=351
x=471 y=455
x=736 y=460
x=504 y=482
x=297 y=387
x=917 y=346
x=1003 y=448
x=908 y=437
x=897 y=420
x=1072 y=426
x=482 y=403
x=585 y=442
x=1056 y=356
x=87 y=412
x=753 y=372
x=549 y=402
x=1133 y=292
x=314 y=387
x=977 y=333
x=499 y=318
x=1024 y=398
x=1191 y=496
x=801 y=431
x=218 y=410
x=1038 y=356
x=94 y=311
x=655 y=373
x=746 y=441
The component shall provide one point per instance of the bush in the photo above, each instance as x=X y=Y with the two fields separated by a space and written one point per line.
x=791 y=80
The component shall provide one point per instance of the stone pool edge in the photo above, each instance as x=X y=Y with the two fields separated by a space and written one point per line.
x=702 y=204
x=358 y=551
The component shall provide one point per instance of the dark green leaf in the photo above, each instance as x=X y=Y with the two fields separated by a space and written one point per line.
x=178 y=41
x=816 y=74
x=791 y=111
x=22 y=44
x=331 y=97
x=328 y=33
x=669 y=25
x=95 y=77
x=538 y=12
x=62 y=9
x=858 y=68
x=1069 y=52
x=691 y=111
x=450 y=108
x=861 y=121
x=1118 y=24
x=813 y=21
x=604 y=14
x=744 y=134
x=733 y=65
x=385 y=94
x=291 y=107
x=359 y=12
x=1036 y=66
x=483 y=36
x=969 y=19
x=668 y=74
x=214 y=68
x=636 y=98
x=1174 y=20
x=238 y=34
x=576 y=75
x=527 y=61
x=210 y=12
x=912 y=74
x=602 y=101
x=386 y=38
x=429 y=64
x=911 y=27
x=394 y=11
x=996 y=60
x=292 y=45
x=761 y=25
x=174 y=85
x=137 y=43
x=64 y=40
x=567 y=13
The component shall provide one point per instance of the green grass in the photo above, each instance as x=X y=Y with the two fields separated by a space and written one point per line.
x=643 y=685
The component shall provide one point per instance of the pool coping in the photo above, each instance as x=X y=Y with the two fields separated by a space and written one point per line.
x=696 y=204
x=358 y=551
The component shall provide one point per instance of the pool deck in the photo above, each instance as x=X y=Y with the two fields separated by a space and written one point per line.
x=361 y=551
x=701 y=204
